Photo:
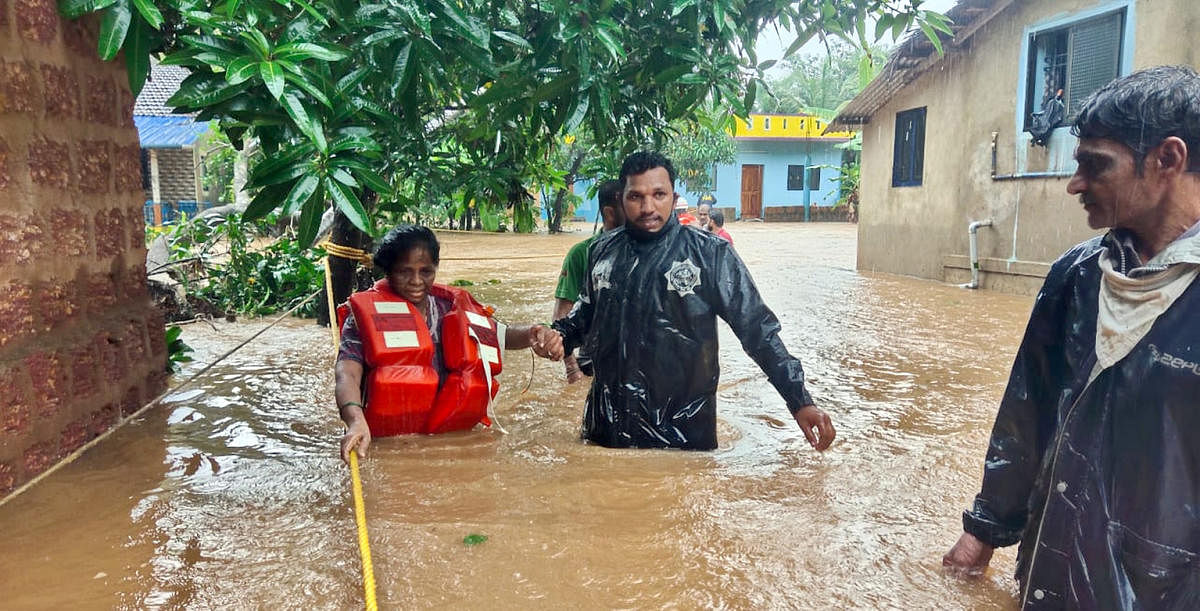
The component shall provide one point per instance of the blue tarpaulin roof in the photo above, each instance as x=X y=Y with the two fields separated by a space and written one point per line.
x=168 y=132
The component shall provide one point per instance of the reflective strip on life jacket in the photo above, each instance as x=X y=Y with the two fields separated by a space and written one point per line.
x=392 y=331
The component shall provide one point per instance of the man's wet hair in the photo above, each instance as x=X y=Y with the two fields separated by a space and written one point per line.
x=402 y=239
x=644 y=161
x=610 y=194
x=717 y=217
x=1143 y=109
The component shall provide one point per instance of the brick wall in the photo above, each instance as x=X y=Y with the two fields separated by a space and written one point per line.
x=80 y=344
x=796 y=213
x=176 y=176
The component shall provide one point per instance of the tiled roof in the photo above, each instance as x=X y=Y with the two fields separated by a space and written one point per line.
x=163 y=83
x=913 y=57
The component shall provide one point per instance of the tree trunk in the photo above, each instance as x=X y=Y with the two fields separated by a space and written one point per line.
x=556 y=212
x=344 y=272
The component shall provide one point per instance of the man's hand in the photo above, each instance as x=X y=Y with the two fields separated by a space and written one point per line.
x=817 y=427
x=546 y=342
x=574 y=374
x=357 y=437
x=969 y=557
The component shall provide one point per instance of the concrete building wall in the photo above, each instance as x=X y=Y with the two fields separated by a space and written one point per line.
x=80 y=344
x=775 y=157
x=970 y=95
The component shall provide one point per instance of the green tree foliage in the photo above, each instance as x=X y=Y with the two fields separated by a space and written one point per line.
x=819 y=83
x=399 y=102
x=698 y=146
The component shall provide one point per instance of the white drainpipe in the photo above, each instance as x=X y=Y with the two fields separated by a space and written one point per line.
x=973 y=238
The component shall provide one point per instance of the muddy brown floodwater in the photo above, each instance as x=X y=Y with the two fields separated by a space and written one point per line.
x=230 y=493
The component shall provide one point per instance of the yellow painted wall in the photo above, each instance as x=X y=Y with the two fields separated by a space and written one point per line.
x=786 y=126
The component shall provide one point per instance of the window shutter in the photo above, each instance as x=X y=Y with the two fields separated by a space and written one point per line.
x=1095 y=58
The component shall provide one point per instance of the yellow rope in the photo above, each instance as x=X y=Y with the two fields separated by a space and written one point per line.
x=364 y=542
x=360 y=512
x=347 y=252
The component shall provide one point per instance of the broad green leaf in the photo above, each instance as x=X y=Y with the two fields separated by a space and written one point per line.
x=113 y=28
x=257 y=43
x=275 y=163
x=401 y=74
x=201 y=90
x=555 y=88
x=352 y=80
x=512 y=38
x=308 y=88
x=358 y=143
x=311 y=10
x=383 y=36
x=344 y=177
x=767 y=65
x=301 y=192
x=802 y=38
x=150 y=13
x=467 y=27
x=881 y=25
x=74 y=9
x=240 y=69
x=680 y=6
x=614 y=48
x=308 y=124
x=282 y=175
x=374 y=181
x=137 y=55
x=310 y=220
x=212 y=43
x=272 y=76
x=265 y=201
x=671 y=74
x=580 y=113
x=751 y=91
x=347 y=203
x=297 y=51
x=932 y=36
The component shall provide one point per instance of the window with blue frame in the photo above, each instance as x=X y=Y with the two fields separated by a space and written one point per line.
x=908 y=157
x=1072 y=61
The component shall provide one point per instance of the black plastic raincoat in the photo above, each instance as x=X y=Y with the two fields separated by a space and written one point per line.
x=1099 y=480
x=647 y=316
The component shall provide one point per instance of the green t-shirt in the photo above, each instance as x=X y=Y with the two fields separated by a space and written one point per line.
x=573 y=269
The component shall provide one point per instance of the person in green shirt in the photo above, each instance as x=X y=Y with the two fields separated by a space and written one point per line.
x=575 y=265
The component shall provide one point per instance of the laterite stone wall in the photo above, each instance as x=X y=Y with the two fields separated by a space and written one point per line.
x=80 y=343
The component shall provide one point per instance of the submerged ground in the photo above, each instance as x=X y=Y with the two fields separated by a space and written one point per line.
x=230 y=493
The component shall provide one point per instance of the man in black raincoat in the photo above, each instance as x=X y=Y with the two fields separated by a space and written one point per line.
x=1094 y=464
x=647 y=315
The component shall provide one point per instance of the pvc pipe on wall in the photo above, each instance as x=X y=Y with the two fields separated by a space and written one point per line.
x=973 y=239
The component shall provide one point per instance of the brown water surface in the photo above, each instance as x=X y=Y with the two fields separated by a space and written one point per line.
x=230 y=494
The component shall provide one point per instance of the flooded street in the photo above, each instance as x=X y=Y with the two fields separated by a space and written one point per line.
x=230 y=494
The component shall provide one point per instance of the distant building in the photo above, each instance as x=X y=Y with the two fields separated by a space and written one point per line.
x=170 y=152
x=947 y=139
x=787 y=169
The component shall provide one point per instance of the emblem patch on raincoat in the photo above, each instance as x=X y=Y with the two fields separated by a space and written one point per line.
x=683 y=277
x=600 y=274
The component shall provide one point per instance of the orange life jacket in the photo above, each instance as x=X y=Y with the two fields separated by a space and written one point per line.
x=403 y=394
